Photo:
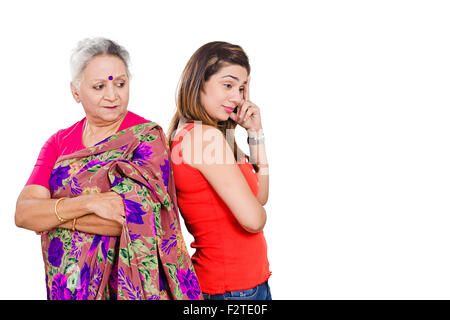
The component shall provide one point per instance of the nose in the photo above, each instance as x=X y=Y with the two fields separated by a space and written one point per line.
x=235 y=98
x=110 y=92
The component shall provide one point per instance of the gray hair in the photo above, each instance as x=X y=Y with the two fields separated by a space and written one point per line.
x=89 y=48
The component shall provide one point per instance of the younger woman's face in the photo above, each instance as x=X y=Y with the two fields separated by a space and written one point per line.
x=223 y=91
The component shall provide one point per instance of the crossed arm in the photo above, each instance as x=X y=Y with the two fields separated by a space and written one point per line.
x=101 y=213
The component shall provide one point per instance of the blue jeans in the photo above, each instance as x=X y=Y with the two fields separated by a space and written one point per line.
x=261 y=292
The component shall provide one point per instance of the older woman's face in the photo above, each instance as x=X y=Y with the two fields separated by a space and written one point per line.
x=104 y=90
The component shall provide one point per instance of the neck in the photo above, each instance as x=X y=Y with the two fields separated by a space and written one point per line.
x=94 y=132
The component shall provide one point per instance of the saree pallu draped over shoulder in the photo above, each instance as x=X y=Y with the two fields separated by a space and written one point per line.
x=149 y=260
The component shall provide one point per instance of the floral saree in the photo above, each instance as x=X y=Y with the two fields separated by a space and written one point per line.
x=149 y=260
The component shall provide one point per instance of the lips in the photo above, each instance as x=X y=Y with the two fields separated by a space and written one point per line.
x=228 y=109
x=110 y=107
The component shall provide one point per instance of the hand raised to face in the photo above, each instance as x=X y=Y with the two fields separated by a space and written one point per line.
x=248 y=114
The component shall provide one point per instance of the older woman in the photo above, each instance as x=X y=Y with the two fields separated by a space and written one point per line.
x=104 y=191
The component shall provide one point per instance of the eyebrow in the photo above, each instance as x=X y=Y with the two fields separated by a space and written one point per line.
x=233 y=77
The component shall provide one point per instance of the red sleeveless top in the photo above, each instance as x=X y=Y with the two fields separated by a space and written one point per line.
x=227 y=258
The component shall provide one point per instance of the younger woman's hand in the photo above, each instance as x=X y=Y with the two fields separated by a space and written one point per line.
x=248 y=114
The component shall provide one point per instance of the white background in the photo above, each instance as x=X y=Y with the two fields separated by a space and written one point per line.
x=355 y=107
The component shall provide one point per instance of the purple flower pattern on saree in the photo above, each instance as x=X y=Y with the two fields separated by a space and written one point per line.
x=55 y=252
x=188 y=283
x=143 y=154
x=149 y=261
x=59 y=174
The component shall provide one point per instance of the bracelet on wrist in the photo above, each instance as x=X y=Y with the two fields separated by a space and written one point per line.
x=255 y=140
x=62 y=220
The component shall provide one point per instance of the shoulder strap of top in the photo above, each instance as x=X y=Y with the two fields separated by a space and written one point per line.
x=179 y=136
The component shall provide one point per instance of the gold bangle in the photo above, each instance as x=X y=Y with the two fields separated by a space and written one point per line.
x=73 y=224
x=56 y=211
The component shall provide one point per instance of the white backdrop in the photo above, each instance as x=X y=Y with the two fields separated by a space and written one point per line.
x=355 y=107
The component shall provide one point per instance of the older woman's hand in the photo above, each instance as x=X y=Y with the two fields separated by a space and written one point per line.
x=108 y=205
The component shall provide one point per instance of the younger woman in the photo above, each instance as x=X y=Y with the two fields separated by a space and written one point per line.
x=220 y=193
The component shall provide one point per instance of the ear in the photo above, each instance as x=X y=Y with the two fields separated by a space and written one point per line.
x=75 y=92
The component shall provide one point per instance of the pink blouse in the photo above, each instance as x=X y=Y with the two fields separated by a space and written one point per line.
x=67 y=141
